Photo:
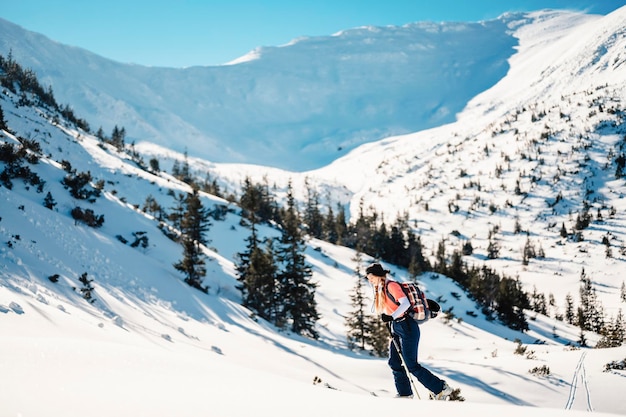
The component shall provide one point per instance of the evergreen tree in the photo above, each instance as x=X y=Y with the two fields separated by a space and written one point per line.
x=193 y=226
x=312 y=215
x=511 y=302
x=484 y=285
x=257 y=273
x=396 y=246
x=528 y=252
x=456 y=270
x=269 y=210
x=118 y=137
x=78 y=186
x=192 y=264
x=583 y=219
x=154 y=165
x=591 y=316
x=493 y=249
x=296 y=292
x=341 y=226
x=365 y=331
x=100 y=133
x=619 y=328
x=176 y=169
x=582 y=339
x=356 y=321
x=49 y=202
x=3 y=123
x=185 y=171
x=211 y=186
x=182 y=171
x=87 y=217
x=539 y=302
x=380 y=244
x=467 y=249
x=613 y=335
x=152 y=206
x=418 y=264
x=330 y=226
x=552 y=305
x=361 y=233
x=256 y=200
x=177 y=213
x=570 y=315
x=196 y=220
x=250 y=200
x=440 y=258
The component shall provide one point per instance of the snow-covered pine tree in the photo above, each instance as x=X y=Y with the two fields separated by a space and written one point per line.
x=257 y=270
x=296 y=291
x=356 y=320
x=193 y=226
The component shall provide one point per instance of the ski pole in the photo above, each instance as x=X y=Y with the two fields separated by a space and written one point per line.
x=399 y=351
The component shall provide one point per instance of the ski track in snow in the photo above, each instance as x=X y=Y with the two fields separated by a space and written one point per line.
x=579 y=374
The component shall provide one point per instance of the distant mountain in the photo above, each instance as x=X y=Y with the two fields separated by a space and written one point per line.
x=296 y=107
x=542 y=151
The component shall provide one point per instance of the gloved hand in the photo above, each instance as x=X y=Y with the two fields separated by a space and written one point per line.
x=386 y=318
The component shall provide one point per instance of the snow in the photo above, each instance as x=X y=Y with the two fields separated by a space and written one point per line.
x=318 y=97
x=149 y=345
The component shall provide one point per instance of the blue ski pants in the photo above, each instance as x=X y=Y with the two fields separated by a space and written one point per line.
x=406 y=334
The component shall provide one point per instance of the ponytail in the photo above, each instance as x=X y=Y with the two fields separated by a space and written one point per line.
x=380 y=295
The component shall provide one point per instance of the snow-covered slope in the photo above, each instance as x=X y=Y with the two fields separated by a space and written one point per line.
x=151 y=345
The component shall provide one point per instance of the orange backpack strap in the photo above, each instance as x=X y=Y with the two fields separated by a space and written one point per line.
x=389 y=295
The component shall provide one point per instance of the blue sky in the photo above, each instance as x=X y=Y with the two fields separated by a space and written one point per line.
x=180 y=33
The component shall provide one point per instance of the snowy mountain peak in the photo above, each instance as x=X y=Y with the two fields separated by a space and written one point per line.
x=298 y=106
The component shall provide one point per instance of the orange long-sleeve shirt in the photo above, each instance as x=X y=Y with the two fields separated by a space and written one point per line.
x=396 y=292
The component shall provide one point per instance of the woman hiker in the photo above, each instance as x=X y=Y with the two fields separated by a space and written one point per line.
x=405 y=336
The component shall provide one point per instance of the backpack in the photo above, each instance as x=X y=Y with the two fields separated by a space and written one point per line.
x=421 y=307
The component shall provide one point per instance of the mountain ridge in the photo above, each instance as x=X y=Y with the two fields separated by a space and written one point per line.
x=317 y=97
